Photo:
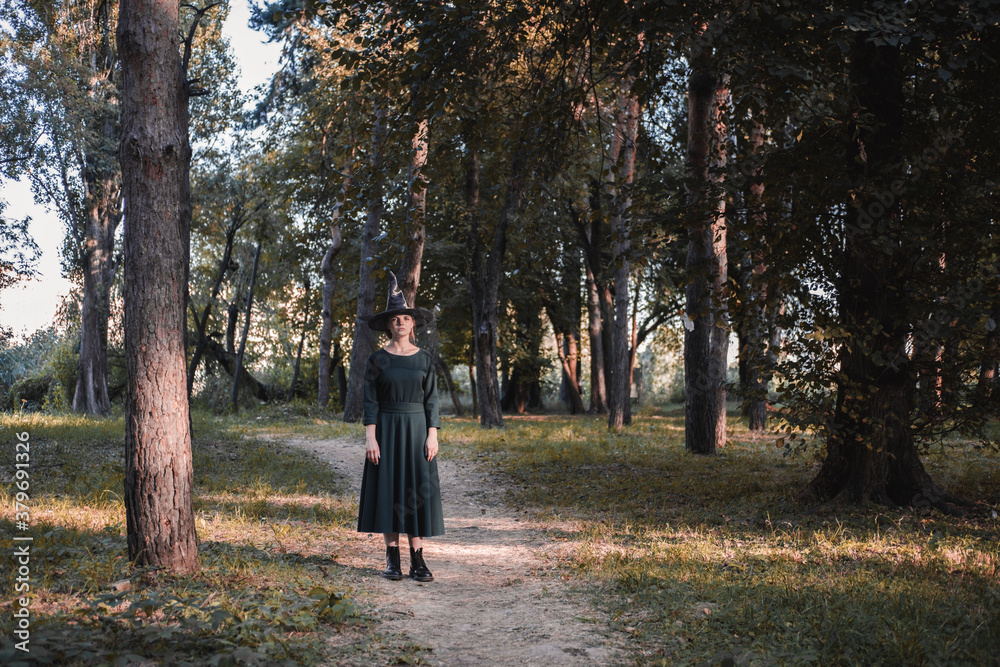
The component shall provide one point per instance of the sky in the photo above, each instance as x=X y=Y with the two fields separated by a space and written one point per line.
x=31 y=305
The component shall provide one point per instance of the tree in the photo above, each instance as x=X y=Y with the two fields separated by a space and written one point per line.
x=706 y=340
x=155 y=156
x=68 y=57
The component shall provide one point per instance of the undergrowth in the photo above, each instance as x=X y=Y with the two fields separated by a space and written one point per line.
x=711 y=560
x=267 y=517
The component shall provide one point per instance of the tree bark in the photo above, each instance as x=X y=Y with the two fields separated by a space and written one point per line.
x=364 y=340
x=871 y=455
x=589 y=240
x=472 y=381
x=155 y=156
x=706 y=338
x=626 y=128
x=232 y=319
x=326 y=332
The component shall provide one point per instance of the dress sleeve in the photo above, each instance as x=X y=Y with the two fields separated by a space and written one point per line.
x=431 y=395
x=371 y=395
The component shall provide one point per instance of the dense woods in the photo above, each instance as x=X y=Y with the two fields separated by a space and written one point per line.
x=569 y=186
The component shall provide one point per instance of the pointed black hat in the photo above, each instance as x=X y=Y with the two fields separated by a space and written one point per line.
x=397 y=305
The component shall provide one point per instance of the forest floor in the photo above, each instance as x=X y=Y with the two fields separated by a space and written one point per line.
x=500 y=595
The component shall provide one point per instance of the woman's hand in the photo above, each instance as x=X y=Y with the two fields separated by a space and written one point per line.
x=431 y=445
x=371 y=444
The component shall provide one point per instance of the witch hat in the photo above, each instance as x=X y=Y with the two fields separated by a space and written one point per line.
x=397 y=305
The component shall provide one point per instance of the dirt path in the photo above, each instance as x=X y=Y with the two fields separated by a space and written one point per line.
x=498 y=597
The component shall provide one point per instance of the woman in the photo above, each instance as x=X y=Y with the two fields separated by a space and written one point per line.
x=400 y=491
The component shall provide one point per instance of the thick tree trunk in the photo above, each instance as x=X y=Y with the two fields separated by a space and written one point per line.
x=246 y=328
x=326 y=331
x=364 y=339
x=155 y=157
x=102 y=194
x=626 y=128
x=871 y=455
x=706 y=338
x=409 y=271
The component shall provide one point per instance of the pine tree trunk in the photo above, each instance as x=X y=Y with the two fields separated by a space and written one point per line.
x=364 y=338
x=155 y=157
x=706 y=338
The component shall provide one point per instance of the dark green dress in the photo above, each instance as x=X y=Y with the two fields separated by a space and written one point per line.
x=402 y=493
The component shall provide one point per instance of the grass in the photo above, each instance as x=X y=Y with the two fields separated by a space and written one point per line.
x=267 y=517
x=698 y=560
x=710 y=560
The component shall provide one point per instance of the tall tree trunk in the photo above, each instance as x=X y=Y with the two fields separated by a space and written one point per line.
x=590 y=242
x=706 y=338
x=871 y=455
x=364 y=340
x=409 y=272
x=246 y=328
x=485 y=278
x=598 y=383
x=102 y=204
x=626 y=129
x=326 y=332
x=302 y=341
x=155 y=157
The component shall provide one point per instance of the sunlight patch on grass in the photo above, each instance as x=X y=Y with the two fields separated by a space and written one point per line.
x=700 y=559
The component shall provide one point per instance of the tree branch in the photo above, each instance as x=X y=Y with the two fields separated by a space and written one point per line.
x=199 y=13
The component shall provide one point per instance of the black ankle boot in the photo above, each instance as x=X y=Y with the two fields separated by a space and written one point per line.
x=418 y=568
x=392 y=568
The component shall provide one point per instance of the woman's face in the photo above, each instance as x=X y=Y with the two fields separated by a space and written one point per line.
x=400 y=326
